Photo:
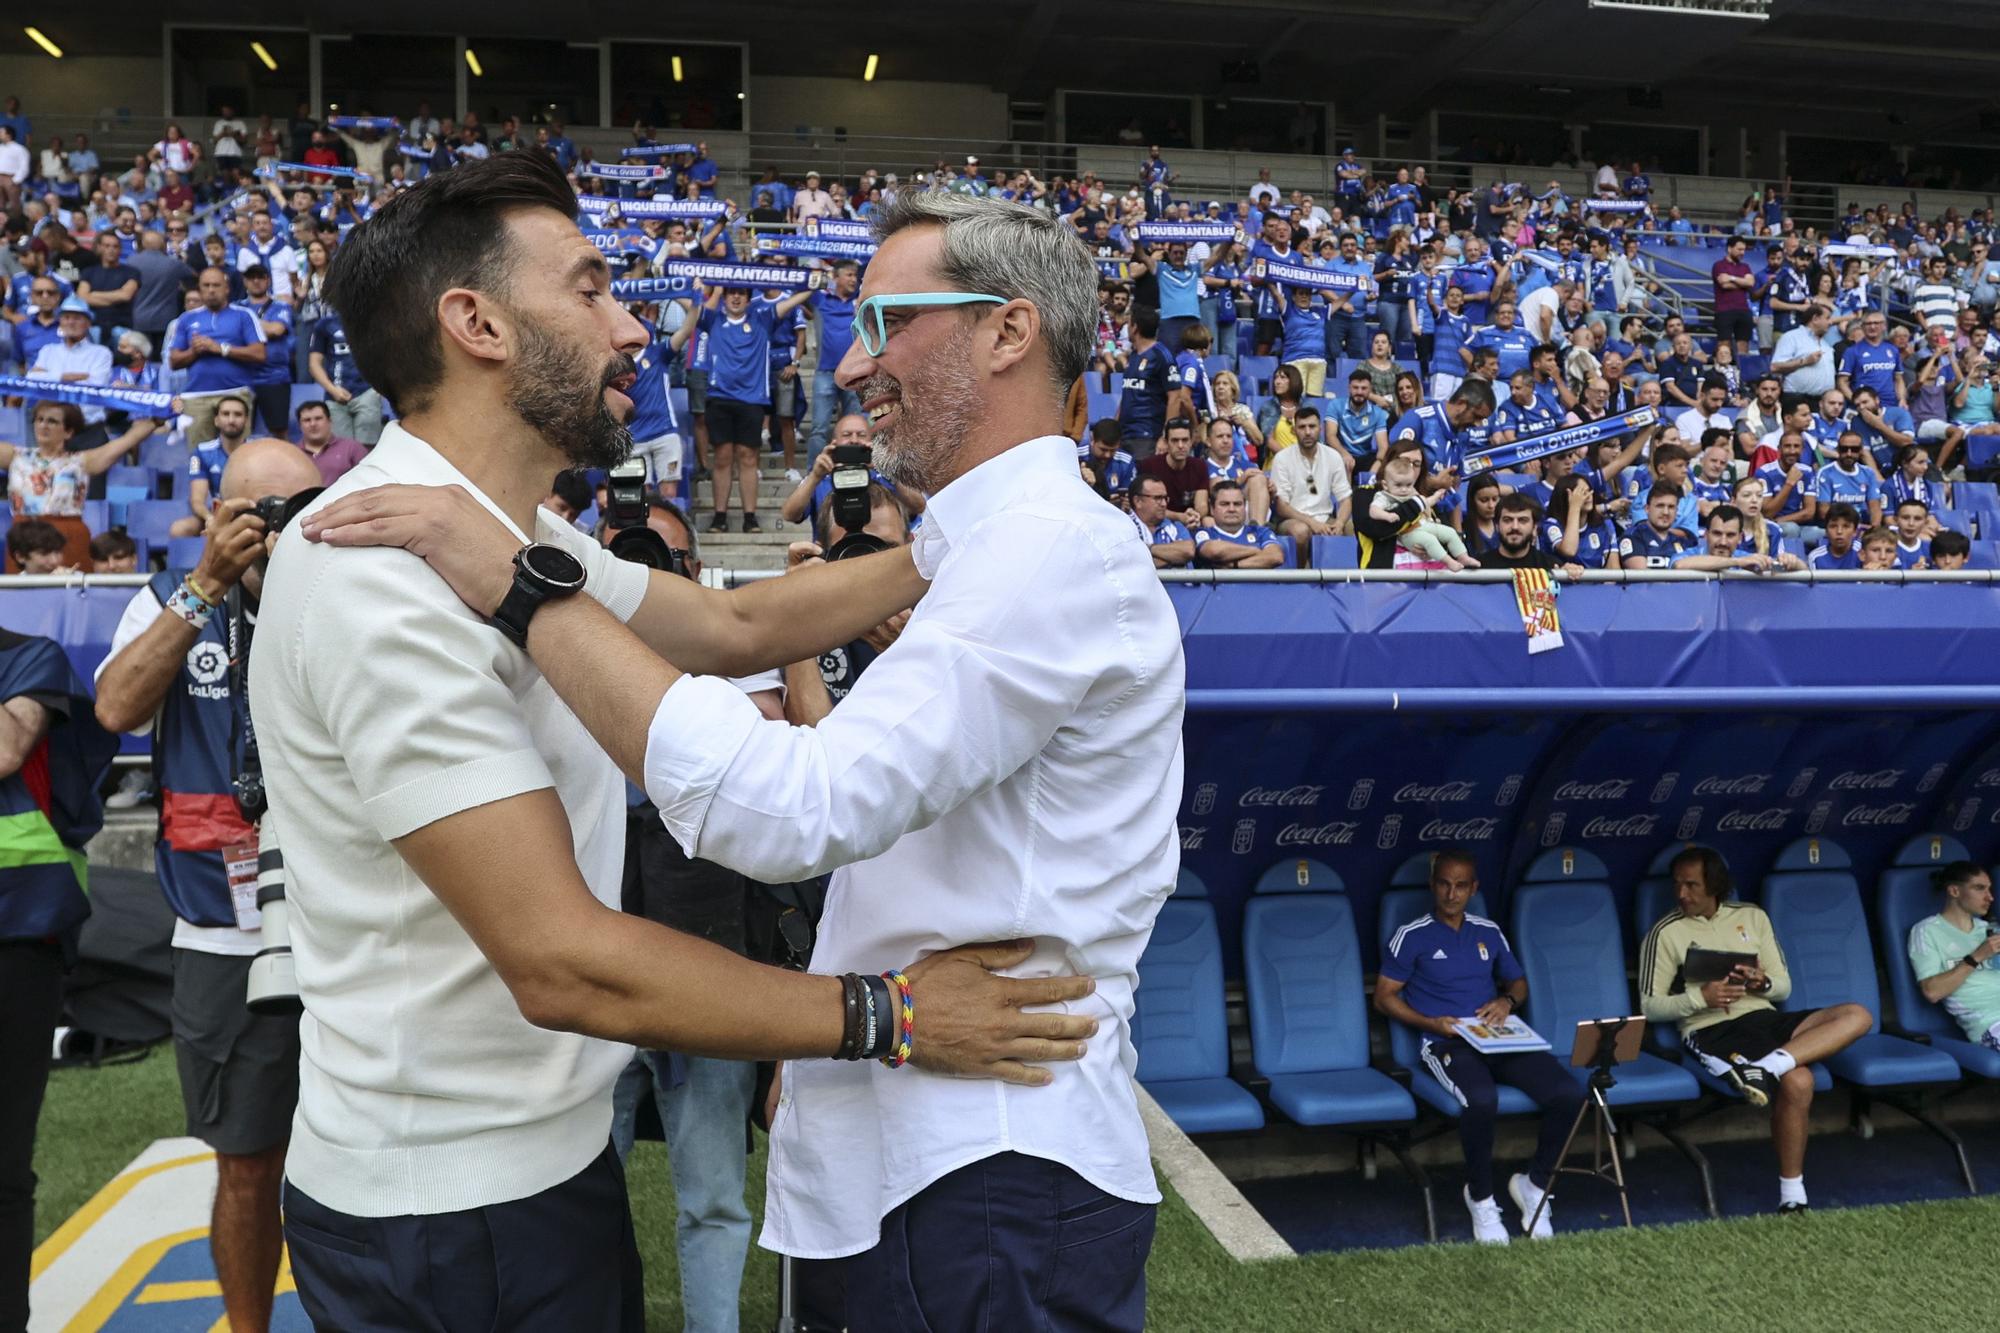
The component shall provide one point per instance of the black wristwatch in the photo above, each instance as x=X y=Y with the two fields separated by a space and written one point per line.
x=1970 y=962
x=542 y=572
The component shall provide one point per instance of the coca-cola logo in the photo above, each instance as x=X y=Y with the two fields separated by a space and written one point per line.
x=1439 y=793
x=1753 y=821
x=1269 y=796
x=1878 y=816
x=1612 y=789
x=1990 y=778
x=1632 y=826
x=1748 y=784
x=1191 y=838
x=1460 y=830
x=1337 y=833
x=1881 y=779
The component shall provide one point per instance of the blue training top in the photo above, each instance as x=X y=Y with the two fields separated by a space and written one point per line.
x=1450 y=973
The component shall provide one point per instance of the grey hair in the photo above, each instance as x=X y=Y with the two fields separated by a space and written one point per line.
x=1017 y=253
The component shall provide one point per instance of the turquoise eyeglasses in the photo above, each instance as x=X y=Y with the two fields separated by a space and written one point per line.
x=874 y=335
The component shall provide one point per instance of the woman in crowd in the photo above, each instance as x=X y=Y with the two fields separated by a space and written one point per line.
x=1230 y=407
x=1409 y=394
x=1482 y=498
x=47 y=481
x=1382 y=371
x=1288 y=388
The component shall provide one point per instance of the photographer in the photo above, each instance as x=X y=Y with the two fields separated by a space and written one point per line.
x=176 y=669
x=804 y=503
x=812 y=688
x=704 y=1103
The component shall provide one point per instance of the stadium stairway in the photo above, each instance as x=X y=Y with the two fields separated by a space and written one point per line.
x=742 y=550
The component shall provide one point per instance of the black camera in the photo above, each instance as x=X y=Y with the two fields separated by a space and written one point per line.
x=850 y=485
x=278 y=510
x=625 y=516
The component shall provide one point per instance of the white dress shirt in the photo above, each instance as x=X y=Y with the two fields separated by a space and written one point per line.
x=1009 y=768
x=1314 y=488
x=63 y=357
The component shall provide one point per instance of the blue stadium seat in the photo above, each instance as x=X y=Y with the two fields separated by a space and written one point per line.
x=1336 y=553
x=1102 y=403
x=184 y=552
x=1256 y=373
x=1904 y=897
x=1291 y=550
x=121 y=499
x=1399 y=907
x=1189 y=885
x=149 y=520
x=1179 y=1027
x=1309 y=1014
x=1566 y=936
x=302 y=394
x=1815 y=908
x=97 y=515
x=124 y=475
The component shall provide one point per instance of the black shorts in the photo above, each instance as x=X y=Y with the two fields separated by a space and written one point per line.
x=1751 y=1037
x=731 y=422
x=697 y=387
x=1268 y=333
x=239 y=1070
x=1736 y=325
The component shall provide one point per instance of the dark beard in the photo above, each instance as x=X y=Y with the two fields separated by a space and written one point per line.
x=556 y=394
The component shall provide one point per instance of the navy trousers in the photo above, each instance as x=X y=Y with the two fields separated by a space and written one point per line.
x=1474 y=1078
x=563 y=1260
x=1013 y=1243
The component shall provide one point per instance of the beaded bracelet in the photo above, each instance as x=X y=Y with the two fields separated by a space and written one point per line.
x=906 y=1019
x=190 y=607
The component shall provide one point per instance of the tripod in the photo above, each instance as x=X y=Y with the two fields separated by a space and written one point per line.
x=1603 y=1034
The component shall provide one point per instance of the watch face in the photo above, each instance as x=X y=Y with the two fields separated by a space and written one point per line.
x=552 y=564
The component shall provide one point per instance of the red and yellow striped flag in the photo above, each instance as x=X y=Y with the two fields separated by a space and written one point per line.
x=1535 y=594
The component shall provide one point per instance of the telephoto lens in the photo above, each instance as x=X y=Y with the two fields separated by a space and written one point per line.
x=273 y=986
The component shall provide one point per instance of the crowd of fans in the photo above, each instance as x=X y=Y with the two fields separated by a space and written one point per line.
x=1470 y=318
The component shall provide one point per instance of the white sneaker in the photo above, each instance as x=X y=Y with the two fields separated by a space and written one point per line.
x=134 y=788
x=1487 y=1226
x=1527 y=1198
x=794 y=476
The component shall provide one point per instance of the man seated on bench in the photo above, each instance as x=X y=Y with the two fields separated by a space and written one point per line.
x=1732 y=1023
x=1952 y=953
x=1447 y=966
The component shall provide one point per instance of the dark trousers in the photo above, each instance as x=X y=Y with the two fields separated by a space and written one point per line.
x=30 y=1004
x=1012 y=1242
x=1475 y=1079
x=561 y=1259
x=274 y=405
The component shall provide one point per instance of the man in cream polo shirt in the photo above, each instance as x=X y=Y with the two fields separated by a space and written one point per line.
x=454 y=837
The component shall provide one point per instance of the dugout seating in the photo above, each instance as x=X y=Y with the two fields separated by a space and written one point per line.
x=1903 y=897
x=1179 y=1027
x=1815 y=909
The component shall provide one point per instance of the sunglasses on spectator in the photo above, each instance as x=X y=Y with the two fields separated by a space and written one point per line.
x=873 y=330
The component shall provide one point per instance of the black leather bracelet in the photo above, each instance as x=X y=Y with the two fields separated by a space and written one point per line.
x=850 y=1023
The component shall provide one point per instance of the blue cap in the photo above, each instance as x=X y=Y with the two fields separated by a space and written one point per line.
x=1345 y=151
x=74 y=305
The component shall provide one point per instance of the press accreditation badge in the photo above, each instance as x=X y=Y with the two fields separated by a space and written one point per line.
x=240 y=864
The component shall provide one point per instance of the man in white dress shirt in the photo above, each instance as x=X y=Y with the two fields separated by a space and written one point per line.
x=1011 y=766
x=454 y=841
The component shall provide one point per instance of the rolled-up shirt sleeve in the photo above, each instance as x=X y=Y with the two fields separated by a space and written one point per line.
x=1004 y=652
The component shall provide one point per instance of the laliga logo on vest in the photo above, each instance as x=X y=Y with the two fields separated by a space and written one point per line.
x=1801 y=783
x=1868 y=816
x=1753 y=821
x=1269 y=796
x=1204 y=798
x=1191 y=838
x=1632 y=826
x=1882 y=779
x=1612 y=789
x=1442 y=792
x=1337 y=833
x=208 y=663
x=1749 y=784
x=1463 y=830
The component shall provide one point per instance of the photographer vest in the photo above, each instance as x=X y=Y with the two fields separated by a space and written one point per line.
x=194 y=762
x=49 y=808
